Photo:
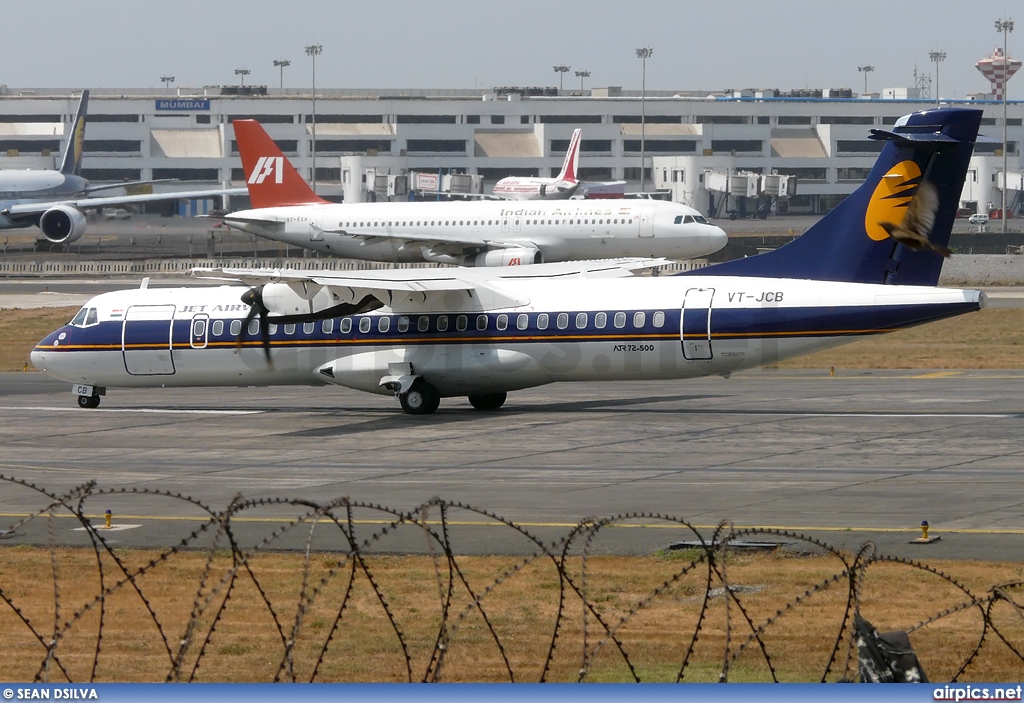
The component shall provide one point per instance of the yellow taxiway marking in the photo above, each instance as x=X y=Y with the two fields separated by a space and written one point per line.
x=939 y=374
x=621 y=525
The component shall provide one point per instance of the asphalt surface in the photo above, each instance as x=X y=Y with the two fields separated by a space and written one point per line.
x=861 y=456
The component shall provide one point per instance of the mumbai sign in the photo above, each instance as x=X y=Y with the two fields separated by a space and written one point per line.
x=185 y=104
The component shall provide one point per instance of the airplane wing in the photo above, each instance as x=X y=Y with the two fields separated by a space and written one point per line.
x=310 y=292
x=39 y=207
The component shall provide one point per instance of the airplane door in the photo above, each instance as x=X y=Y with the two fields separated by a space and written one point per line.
x=516 y=226
x=695 y=324
x=504 y=224
x=646 y=221
x=146 y=340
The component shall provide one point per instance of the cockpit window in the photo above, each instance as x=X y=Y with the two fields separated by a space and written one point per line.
x=79 y=319
x=86 y=317
x=701 y=219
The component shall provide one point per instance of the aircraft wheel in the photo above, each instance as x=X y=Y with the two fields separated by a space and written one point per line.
x=421 y=399
x=88 y=401
x=488 y=401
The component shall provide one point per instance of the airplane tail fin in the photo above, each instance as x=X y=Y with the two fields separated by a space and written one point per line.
x=269 y=175
x=572 y=159
x=853 y=242
x=72 y=161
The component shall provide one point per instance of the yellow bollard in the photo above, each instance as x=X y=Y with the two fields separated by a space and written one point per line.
x=24 y=366
x=107 y=517
x=924 y=529
x=832 y=371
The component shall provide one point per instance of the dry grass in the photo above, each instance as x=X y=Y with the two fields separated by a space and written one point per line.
x=247 y=645
x=989 y=339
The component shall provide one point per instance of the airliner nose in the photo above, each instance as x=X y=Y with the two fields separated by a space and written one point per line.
x=718 y=238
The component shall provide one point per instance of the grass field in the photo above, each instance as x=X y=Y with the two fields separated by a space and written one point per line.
x=989 y=339
x=653 y=610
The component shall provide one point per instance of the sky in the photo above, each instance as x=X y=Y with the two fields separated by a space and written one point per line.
x=423 y=44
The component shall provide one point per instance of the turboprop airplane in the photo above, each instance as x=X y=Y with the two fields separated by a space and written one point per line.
x=482 y=233
x=427 y=334
x=55 y=201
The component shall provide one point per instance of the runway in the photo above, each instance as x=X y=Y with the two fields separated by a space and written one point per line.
x=861 y=456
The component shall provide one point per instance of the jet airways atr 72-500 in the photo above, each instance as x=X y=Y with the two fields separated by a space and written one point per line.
x=427 y=334
x=467 y=233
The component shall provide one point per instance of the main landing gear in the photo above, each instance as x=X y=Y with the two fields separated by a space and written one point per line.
x=488 y=401
x=421 y=398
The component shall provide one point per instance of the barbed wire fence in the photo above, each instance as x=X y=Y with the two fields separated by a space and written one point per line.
x=718 y=628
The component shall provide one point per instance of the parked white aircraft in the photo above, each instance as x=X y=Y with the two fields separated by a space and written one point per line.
x=465 y=233
x=561 y=187
x=425 y=334
x=55 y=201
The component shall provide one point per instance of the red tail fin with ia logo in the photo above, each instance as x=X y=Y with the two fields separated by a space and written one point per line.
x=270 y=177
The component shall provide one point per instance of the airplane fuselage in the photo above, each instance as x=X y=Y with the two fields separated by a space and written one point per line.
x=559 y=231
x=560 y=330
x=24 y=186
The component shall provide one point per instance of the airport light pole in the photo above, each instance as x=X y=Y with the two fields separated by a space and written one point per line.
x=561 y=70
x=242 y=73
x=581 y=75
x=937 y=57
x=281 y=63
x=167 y=81
x=865 y=70
x=1004 y=26
x=643 y=54
x=314 y=50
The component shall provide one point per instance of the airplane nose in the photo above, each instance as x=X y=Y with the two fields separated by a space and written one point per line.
x=718 y=238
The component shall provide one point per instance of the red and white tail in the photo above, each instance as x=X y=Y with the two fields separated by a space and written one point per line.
x=269 y=175
x=572 y=159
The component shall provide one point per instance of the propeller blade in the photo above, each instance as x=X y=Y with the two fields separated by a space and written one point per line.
x=265 y=332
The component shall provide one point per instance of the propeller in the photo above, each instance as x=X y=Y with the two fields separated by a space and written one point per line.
x=254 y=299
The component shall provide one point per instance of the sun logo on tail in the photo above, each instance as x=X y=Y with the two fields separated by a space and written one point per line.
x=891 y=198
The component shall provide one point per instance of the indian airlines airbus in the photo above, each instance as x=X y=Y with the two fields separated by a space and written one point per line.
x=561 y=187
x=483 y=233
x=427 y=334
x=55 y=201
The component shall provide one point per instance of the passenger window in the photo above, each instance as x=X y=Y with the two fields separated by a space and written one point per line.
x=235 y=328
x=562 y=321
x=423 y=323
x=581 y=320
x=218 y=328
x=542 y=321
x=481 y=322
x=502 y=323
x=364 y=325
x=289 y=329
x=254 y=327
x=442 y=323
x=383 y=324
x=639 y=318
x=620 y=320
x=659 y=319
x=271 y=329
x=308 y=327
x=600 y=320
x=346 y=325
x=523 y=321
x=91 y=318
x=198 y=328
x=327 y=326
x=461 y=323
x=403 y=324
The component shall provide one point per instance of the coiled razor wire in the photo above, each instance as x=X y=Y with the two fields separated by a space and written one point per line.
x=186 y=649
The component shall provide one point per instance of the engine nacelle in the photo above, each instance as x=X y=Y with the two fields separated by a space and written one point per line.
x=516 y=256
x=62 y=224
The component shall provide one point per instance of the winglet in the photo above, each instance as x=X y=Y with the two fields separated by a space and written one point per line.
x=72 y=161
x=572 y=159
x=270 y=176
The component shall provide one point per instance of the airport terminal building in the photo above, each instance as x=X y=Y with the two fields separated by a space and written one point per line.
x=714 y=152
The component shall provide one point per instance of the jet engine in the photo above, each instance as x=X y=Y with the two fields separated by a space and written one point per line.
x=62 y=224
x=515 y=256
